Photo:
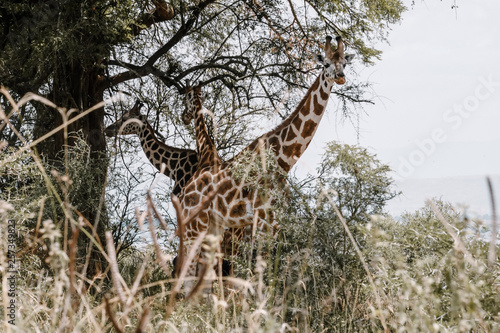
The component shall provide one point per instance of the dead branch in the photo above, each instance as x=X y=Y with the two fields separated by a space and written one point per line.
x=159 y=254
x=110 y=315
x=141 y=327
x=492 y=251
x=115 y=272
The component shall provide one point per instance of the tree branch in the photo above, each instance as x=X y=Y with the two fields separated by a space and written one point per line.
x=181 y=33
x=148 y=68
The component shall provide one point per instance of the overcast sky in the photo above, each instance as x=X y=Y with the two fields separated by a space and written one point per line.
x=437 y=113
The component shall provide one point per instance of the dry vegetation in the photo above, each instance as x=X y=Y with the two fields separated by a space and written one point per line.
x=335 y=266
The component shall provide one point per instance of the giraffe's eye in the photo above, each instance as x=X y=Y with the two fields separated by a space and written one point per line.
x=327 y=65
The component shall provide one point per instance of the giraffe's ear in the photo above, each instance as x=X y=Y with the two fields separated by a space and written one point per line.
x=348 y=58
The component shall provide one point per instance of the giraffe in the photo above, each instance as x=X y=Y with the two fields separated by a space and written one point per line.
x=179 y=164
x=208 y=156
x=207 y=152
x=290 y=139
x=235 y=204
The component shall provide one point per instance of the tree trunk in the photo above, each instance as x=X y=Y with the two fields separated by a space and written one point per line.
x=77 y=87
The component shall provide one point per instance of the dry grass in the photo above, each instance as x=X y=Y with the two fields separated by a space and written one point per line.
x=434 y=271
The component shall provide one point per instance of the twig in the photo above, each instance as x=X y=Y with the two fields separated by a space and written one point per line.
x=137 y=281
x=143 y=321
x=159 y=254
x=115 y=273
x=458 y=242
x=160 y=218
x=493 y=244
x=72 y=262
x=363 y=262
x=110 y=315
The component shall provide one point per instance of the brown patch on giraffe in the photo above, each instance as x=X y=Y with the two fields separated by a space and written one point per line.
x=192 y=199
x=297 y=122
x=204 y=180
x=225 y=186
x=283 y=164
x=262 y=214
x=221 y=206
x=203 y=217
x=230 y=196
x=253 y=145
x=291 y=135
x=292 y=150
x=239 y=209
x=190 y=188
x=274 y=143
x=306 y=107
x=209 y=189
x=309 y=128
x=318 y=108
x=323 y=94
x=258 y=201
x=314 y=86
x=247 y=193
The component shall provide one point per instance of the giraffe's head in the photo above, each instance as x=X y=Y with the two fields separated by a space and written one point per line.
x=131 y=122
x=335 y=61
x=193 y=101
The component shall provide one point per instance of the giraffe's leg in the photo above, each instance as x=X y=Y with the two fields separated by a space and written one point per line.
x=201 y=273
x=190 y=281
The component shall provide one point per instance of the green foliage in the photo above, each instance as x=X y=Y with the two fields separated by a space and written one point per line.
x=249 y=166
x=22 y=184
x=43 y=190
x=38 y=35
x=360 y=182
x=321 y=271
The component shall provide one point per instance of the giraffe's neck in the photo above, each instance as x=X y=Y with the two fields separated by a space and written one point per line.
x=290 y=139
x=178 y=164
x=207 y=152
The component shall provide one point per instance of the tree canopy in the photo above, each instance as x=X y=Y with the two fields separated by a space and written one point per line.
x=248 y=52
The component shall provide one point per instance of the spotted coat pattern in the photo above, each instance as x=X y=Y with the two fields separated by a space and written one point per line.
x=179 y=164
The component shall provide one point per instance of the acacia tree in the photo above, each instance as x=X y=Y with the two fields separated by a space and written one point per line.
x=247 y=52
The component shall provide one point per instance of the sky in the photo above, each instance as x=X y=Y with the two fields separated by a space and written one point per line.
x=436 y=117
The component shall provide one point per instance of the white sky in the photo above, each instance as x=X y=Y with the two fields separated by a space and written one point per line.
x=434 y=116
